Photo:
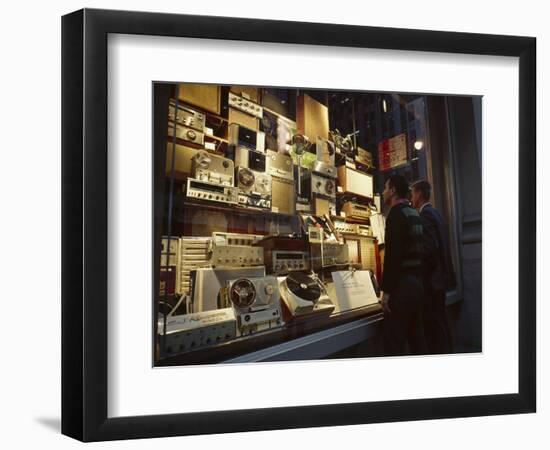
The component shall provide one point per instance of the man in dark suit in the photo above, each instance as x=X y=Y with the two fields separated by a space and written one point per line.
x=438 y=273
x=403 y=294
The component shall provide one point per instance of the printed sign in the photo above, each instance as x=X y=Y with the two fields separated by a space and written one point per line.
x=392 y=152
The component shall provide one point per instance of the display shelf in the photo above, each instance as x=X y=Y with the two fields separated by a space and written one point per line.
x=351 y=220
x=352 y=195
x=232 y=209
x=216 y=138
x=294 y=330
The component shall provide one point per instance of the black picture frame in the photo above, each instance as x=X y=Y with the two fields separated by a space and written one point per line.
x=84 y=224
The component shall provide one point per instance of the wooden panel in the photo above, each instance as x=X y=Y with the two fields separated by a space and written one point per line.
x=236 y=116
x=204 y=96
x=182 y=165
x=311 y=118
x=283 y=196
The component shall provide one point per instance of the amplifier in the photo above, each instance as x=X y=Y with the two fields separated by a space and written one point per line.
x=212 y=168
x=283 y=197
x=245 y=137
x=186 y=134
x=187 y=116
x=220 y=238
x=235 y=250
x=343 y=227
x=204 y=96
x=214 y=192
x=284 y=253
x=285 y=261
x=355 y=182
x=352 y=228
x=245 y=105
x=236 y=256
x=244 y=157
x=280 y=165
x=356 y=211
x=190 y=331
x=311 y=117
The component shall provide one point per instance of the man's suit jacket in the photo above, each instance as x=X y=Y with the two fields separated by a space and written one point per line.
x=441 y=276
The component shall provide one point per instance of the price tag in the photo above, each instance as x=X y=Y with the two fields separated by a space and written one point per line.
x=208 y=131
x=339 y=189
x=275 y=209
x=210 y=146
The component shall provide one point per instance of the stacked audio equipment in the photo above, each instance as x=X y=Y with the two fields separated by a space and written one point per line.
x=193 y=252
x=273 y=203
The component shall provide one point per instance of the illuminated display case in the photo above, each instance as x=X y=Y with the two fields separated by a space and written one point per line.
x=263 y=232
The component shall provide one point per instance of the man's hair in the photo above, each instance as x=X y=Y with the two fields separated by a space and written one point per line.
x=424 y=188
x=400 y=184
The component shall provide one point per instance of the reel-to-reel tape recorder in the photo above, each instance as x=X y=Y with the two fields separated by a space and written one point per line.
x=212 y=168
x=254 y=188
x=256 y=302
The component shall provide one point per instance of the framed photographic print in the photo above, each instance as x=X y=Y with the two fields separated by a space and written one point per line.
x=276 y=220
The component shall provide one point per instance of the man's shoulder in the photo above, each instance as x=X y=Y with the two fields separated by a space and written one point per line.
x=429 y=212
x=401 y=210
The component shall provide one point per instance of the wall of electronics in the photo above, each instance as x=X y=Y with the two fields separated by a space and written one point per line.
x=274 y=218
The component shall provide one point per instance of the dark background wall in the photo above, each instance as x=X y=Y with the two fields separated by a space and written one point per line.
x=455 y=142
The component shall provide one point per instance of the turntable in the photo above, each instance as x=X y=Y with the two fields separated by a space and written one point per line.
x=304 y=294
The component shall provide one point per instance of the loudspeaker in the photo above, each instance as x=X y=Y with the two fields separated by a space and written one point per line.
x=311 y=118
x=252 y=93
x=182 y=164
x=282 y=196
x=236 y=116
x=355 y=182
x=205 y=96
